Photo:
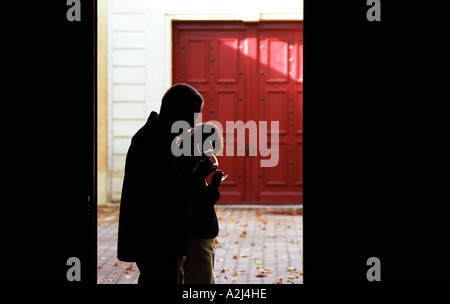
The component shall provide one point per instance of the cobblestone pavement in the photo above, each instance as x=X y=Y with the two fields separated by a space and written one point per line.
x=256 y=245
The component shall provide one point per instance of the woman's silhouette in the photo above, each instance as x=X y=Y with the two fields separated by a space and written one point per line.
x=199 y=262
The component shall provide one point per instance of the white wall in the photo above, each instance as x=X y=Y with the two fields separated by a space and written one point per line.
x=139 y=59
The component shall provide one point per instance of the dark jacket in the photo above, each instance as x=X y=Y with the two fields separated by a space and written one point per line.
x=203 y=198
x=204 y=218
x=154 y=218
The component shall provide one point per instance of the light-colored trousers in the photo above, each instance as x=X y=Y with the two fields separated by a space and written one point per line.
x=199 y=264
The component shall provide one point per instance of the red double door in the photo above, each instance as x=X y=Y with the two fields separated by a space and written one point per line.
x=249 y=74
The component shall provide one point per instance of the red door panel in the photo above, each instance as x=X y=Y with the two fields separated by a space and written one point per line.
x=279 y=83
x=227 y=60
x=196 y=61
x=249 y=72
x=274 y=55
x=273 y=106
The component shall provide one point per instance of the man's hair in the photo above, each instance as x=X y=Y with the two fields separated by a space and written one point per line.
x=180 y=99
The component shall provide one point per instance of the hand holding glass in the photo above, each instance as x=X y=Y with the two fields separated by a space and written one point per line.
x=208 y=150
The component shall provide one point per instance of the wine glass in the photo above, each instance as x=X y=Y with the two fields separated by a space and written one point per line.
x=208 y=150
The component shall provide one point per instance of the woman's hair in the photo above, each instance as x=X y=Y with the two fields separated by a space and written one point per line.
x=207 y=130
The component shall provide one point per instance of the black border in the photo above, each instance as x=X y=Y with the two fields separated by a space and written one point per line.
x=376 y=156
x=376 y=167
x=50 y=145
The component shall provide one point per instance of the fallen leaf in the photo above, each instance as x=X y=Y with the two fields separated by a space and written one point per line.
x=279 y=281
x=292 y=276
x=294 y=242
x=231 y=220
x=243 y=255
x=260 y=275
x=234 y=257
x=258 y=262
x=272 y=235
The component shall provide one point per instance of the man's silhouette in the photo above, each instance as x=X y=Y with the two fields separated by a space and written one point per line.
x=154 y=221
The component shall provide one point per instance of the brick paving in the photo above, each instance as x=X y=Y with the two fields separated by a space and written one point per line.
x=256 y=245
